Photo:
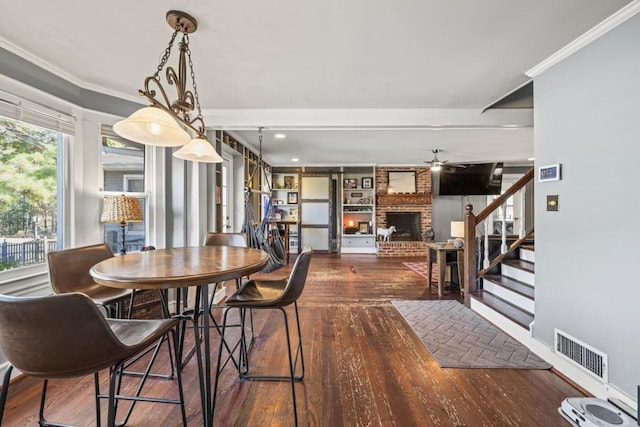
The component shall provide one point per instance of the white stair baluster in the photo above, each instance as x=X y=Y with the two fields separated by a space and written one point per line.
x=485 y=261
x=522 y=194
x=503 y=247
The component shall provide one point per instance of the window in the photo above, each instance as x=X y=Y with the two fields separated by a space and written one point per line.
x=30 y=202
x=123 y=165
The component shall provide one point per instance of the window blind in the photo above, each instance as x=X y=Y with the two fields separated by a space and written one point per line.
x=15 y=108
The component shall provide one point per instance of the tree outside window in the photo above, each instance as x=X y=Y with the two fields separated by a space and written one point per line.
x=28 y=192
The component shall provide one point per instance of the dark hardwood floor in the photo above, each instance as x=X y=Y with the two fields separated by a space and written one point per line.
x=364 y=367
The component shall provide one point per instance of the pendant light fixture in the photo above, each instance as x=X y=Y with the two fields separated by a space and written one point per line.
x=163 y=123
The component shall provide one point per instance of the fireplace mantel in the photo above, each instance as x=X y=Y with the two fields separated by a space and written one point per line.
x=412 y=199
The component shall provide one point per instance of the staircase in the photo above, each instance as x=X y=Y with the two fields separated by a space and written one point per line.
x=507 y=295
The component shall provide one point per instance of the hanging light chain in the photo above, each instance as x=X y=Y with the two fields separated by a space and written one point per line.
x=166 y=54
x=193 y=77
x=260 y=144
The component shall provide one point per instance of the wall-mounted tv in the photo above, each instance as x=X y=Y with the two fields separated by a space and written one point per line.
x=472 y=179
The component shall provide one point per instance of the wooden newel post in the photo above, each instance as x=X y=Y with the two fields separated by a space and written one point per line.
x=469 y=254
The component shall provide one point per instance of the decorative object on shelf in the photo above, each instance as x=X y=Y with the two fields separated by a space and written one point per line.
x=356 y=194
x=365 y=201
x=550 y=173
x=349 y=183
x=292 y=198
x=121 y=209
x=289 y=182
x=159 y=123
x=363 y=227
x=385 y=233
x=367 y=182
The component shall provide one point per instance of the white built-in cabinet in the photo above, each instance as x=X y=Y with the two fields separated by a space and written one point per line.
x=358 y=210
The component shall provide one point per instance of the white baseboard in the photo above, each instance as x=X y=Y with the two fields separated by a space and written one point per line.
x=588 y=382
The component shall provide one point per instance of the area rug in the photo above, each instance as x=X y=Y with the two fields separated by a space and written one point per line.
x=421 y=269
x=459 y=338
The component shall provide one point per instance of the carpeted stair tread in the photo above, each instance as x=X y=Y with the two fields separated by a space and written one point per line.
x=508 y=310
x=513 y=285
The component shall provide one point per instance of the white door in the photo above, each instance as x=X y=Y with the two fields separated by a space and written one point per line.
x=315 y=212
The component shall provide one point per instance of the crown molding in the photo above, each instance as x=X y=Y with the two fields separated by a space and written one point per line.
x=599 y=30
x=58 y=72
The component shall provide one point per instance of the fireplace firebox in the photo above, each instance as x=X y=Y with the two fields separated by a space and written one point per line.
x=407 y=225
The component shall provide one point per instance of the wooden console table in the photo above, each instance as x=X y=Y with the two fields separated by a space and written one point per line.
x=286 y=225
x=441 y=258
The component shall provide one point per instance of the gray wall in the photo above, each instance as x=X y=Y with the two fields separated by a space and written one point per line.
x=587 y=117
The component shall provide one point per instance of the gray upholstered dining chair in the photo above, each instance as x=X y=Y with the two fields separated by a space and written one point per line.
x=275 y=295
x=66 y=336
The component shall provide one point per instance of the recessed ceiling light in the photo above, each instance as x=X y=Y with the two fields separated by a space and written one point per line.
x=280 y=136
x=531 y=159
x=295 y=159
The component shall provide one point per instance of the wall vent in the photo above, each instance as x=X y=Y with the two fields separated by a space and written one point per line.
x=588 y=358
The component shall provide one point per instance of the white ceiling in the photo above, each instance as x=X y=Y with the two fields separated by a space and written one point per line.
x=348 y=82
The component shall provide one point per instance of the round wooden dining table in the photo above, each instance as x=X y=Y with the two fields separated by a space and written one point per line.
x=196 y=266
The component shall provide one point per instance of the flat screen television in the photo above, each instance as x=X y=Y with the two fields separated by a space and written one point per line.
x=472 y=179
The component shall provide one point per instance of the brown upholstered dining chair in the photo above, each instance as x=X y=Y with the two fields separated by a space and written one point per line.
x=226 y=239
x=69 y=272
x=212 y=239
x=238 y=240
x=269 y=294
x=66 y=336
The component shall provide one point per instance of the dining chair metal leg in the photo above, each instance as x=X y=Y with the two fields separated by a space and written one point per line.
x=96 y=385
x=145 y=375
x=5 y=389
x=115 y=381
x=298 y=353
x=244 y=374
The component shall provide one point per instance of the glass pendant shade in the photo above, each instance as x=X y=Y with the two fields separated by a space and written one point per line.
x=152 y=126
x=198 y=150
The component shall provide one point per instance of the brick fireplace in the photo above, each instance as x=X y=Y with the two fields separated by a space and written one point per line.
x=412 y=243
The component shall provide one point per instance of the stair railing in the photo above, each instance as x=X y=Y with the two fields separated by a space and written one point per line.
x=471 y=221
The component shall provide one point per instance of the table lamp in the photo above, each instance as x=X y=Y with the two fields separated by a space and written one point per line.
x=457 y=232
x=121 y=209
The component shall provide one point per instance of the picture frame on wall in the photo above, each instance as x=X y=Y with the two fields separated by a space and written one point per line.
x=367 y=182
x=363 y=227
x=292 y=198
x=349 y=183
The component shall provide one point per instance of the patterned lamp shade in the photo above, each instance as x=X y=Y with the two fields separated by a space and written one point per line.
x=121 y=209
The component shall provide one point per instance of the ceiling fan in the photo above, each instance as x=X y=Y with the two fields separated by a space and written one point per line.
x=436 y=164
